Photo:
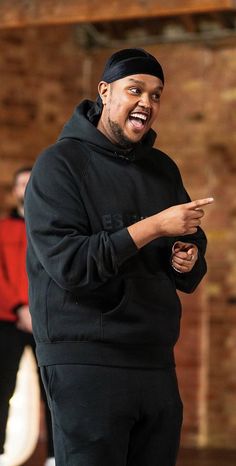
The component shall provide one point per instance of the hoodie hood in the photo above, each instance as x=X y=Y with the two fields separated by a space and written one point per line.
x=80 y=127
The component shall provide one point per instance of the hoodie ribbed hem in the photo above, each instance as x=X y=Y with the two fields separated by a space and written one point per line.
x=105 y=354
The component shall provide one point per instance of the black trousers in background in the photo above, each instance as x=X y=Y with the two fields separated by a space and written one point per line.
x=12 y=345
x=105 y=416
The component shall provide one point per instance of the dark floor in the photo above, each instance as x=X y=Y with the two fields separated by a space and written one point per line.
x=187 y=457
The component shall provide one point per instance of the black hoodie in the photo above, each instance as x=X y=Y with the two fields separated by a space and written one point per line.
x=94 y=297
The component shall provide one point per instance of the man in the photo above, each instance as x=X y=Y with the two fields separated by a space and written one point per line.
x=15 y=319
x=112 y=233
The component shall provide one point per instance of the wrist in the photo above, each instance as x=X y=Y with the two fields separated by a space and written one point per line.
x=176 y=270
x=144 y=231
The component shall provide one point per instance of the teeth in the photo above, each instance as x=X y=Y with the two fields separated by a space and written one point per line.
x=139 y=115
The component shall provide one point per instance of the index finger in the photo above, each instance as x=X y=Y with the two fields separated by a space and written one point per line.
x=200 y=203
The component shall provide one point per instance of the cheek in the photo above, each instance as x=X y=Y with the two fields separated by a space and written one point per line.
x=16 y=192
x=116 y=112
x=118 y=109
x=19 y=192
x=157 y=109
x=155 y=113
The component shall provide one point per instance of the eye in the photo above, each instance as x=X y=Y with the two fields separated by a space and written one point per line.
x=135 y=90
x=156 y=97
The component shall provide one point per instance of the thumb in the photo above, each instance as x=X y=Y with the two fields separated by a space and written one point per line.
x=190 y=252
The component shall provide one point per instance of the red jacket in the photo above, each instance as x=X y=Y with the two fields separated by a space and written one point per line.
x=13 y=277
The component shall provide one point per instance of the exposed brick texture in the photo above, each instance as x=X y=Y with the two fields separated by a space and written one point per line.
x=44 y=73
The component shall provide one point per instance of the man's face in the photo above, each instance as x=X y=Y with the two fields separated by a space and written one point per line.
x=130 y=106
x=19 y=187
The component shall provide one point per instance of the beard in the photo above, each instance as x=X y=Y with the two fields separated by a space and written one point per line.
x=20 y=201
x=119 y=135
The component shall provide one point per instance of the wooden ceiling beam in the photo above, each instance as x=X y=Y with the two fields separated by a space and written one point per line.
x=24 y=13
x=189 y=22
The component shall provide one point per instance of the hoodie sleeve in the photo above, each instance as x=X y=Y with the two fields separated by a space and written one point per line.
x=187 y=282
x=59 y=234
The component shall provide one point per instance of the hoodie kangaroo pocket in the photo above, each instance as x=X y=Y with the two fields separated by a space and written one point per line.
x=116 y=315
x=70 y=318
x=148 y=313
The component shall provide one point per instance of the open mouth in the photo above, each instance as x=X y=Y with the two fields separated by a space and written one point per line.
x=138 y=120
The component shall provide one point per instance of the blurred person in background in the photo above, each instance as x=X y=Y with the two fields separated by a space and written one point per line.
x=15 y=319
x=112 y=234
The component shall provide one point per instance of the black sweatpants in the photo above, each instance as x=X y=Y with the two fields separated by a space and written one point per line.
x=105 y=416
x=12 y=345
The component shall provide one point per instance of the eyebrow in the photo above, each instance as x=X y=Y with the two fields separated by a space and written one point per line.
x=137 y=81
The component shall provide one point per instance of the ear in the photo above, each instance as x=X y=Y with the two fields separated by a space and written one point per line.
x=103 y=89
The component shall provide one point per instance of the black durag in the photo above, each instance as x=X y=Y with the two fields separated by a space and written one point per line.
x=124 y=63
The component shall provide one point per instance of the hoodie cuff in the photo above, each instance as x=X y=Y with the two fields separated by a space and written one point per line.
x=124 y=245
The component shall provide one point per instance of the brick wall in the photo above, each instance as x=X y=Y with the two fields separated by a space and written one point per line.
x=44 y=73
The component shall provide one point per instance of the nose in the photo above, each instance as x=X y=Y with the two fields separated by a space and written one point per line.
x=145 y=101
